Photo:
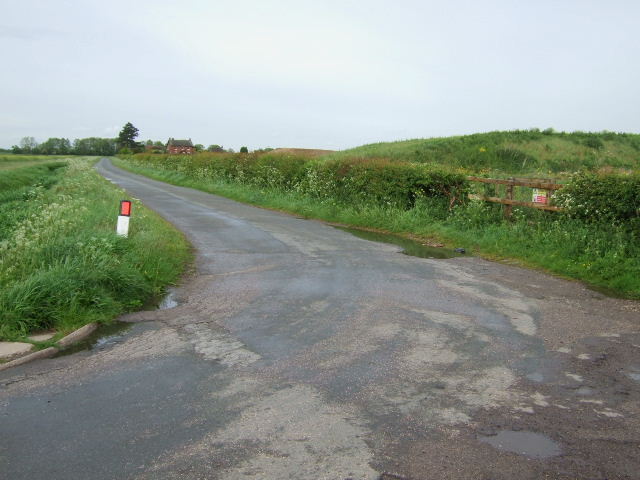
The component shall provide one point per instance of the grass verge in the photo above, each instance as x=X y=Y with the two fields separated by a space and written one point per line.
x=601 y=254
x=61 y=263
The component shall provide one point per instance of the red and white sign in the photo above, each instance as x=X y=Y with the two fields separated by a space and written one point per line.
x=540 y=196
x=122 y=228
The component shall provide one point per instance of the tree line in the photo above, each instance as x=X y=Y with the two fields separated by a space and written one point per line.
x=124 y=143
x=63 y=146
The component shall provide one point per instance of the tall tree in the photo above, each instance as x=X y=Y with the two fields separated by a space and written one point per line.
x=28 y=144
x=127 y=136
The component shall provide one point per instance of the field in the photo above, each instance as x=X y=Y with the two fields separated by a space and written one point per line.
x=61 y=264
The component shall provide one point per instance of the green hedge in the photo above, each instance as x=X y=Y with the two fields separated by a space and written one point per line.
x=376 y=181
x=602 y=198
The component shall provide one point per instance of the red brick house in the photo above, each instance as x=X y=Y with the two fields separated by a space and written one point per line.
x=180 y=146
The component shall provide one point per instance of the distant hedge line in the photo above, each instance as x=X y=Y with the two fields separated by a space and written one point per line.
x=345 y=180
x=613 y=198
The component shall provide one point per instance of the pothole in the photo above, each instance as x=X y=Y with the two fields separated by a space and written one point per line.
x=634 y=376
x=104 y=336
x=169 y=301
x=530 y=444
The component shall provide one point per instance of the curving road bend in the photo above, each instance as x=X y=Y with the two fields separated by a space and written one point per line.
x=298 y=351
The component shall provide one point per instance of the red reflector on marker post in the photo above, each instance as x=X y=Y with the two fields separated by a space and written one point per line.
x=122 y=228
x=125 y=208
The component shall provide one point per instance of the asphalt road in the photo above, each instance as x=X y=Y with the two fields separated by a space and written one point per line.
x=299 y=351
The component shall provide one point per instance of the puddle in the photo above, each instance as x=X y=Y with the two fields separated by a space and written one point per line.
x=536 y=377
x=169 y=301
x=607 y=292
x=634 y=376
x=103 y=337
x=410 y=247
x=585 y=391
x=530 y=444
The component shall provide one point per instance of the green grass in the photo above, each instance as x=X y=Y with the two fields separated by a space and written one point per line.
x=598 y=253
x=61 y=263
x=10 y=162
x=521 y=152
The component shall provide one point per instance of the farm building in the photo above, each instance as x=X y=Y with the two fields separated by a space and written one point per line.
x=180 y=146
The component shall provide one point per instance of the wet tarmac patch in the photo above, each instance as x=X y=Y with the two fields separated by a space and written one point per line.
x=409 y=247
x=390 y=476
x=104 y=337
x=530 y=444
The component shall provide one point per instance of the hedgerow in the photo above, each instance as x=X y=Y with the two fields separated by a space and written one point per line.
x=377 y=181
x=610 y=198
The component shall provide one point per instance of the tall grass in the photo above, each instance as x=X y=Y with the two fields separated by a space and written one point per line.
x=61 y=264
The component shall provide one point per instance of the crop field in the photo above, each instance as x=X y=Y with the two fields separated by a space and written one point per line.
x=61 y=263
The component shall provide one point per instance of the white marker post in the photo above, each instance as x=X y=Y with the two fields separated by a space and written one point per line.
x=123 y=219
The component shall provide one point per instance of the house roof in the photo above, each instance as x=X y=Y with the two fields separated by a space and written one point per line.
x=179 y=143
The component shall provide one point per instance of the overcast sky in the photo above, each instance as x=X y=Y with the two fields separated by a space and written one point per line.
x=324 y=74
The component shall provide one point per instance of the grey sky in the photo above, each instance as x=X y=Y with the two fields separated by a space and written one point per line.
x=325 y=74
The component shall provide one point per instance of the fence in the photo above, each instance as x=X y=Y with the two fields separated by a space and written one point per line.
x=546 y=189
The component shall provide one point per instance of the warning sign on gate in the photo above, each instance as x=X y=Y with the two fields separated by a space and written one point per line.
x=539 y=195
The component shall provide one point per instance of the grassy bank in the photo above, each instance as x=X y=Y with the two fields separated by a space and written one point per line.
x=61 y=264
x=10 y=162
x=519 y=152
x=604 y=253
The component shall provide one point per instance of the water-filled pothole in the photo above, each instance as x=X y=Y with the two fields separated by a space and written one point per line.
x=104 y=336
x=634 y=376
x=169 y=300
x=409 y=247
x=530 y=444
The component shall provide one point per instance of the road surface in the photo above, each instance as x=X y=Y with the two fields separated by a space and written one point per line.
x=299 y=351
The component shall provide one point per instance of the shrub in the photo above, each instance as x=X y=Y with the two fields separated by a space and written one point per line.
x=602 y=198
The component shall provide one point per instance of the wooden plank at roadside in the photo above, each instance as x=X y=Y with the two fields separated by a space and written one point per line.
x=518 y=182
x=506 y=201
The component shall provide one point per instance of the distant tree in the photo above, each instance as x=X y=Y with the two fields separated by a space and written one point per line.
x=16 y=149
x=215 y=148
x=263 y=150
x=94 y=146
x=199 y=147
x=127 y=137
x=230 y=150
x=28 y=145
x=244 y=150
x=55 y=146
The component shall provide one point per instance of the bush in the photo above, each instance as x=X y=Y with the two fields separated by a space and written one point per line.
x=602 y=198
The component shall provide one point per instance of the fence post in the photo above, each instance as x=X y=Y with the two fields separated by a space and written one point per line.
x=509 y=208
